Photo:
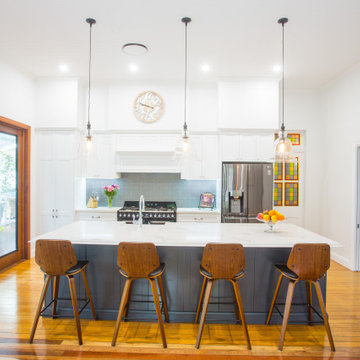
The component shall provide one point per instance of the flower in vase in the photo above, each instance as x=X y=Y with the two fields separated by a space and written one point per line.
x=110 y=191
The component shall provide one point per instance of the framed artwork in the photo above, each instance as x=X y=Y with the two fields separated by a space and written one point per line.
x=291 y=194
x=278 y=171
x=295 y=138
x=292 y=170
x=278 y=193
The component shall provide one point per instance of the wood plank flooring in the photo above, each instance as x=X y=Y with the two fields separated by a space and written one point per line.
x=57 y=339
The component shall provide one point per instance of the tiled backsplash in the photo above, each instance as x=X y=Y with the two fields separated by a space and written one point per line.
x=154 y=187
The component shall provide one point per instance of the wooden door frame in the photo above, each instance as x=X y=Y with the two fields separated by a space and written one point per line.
x=23 y=196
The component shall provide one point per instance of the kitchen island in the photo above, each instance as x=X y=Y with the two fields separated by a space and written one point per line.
x=180 y=246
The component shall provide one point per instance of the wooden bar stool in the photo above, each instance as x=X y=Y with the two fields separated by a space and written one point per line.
x=140 y=261
x=221 y=261
x=307 y=262
x=57 y=258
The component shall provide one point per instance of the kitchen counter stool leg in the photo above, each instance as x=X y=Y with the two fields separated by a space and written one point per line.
x=40 y=305
x=83 y=273
x=209 y=286
x=55 y=294
x=75 y=306
x=274 y=298
x=200 y=299
x=241 y=310
x=163 y=299
x=158 y=310
x=288 y=301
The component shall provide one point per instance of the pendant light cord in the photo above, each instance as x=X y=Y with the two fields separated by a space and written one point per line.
x=91 y=22
x=185 y=20
x=283 y=21
x=283 y=79
x=89 y=86
x=185 y=73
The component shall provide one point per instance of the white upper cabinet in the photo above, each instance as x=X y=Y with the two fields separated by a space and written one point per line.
x=247 y=147
x=248 y=104
x=100 y=161
x=203 y=160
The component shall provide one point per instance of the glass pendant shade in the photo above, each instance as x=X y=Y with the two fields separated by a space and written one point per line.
x=283 y=149
x=183 y=147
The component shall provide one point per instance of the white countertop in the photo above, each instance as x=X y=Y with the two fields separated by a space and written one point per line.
x=178 y=210
x=103 y=209
x=185 y=234
x=197 y=211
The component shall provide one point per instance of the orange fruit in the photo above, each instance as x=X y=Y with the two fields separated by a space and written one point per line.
x=281 y=217
x=272 y=212
x=274 y=218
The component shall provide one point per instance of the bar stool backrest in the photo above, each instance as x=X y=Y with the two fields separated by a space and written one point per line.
x=223 y=261
x=309 y=261
x=55 y=257
x=137 y=260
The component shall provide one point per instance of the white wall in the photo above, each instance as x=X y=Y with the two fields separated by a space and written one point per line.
x=56 y=102
x=112 y=107
x=17 y=103
x=252 y=103
x=303 y=112
x=341 y=116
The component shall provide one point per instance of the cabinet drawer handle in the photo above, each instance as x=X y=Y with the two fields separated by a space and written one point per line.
x=200 y=219
x=96 y=217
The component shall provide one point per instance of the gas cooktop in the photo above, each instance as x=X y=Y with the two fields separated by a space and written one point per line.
x=154 y=210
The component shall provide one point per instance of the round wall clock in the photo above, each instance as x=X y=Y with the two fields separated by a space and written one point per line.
x=148 y=106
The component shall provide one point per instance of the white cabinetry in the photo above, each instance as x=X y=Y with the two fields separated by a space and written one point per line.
x=203 y=160
x=247 y=147
x=55 y=179
x=100 y=161
x=99 y=214
x=197 y=215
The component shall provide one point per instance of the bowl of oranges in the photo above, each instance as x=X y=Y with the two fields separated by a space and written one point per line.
x=271 y=218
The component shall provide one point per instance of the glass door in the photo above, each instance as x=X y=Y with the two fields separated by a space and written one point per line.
x=8 y=194
x=14 y=192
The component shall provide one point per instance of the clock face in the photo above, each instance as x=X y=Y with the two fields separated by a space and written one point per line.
x=148 y=106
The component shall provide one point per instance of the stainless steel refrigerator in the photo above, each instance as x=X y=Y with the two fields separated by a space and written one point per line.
x=247 y=189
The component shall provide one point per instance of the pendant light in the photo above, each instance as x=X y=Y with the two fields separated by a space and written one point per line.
x=283 y=146
x=91 y=22
x=183 y=145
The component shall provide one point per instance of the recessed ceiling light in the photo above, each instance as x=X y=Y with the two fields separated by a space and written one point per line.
x=276 y=68
x=63 y=68
x=205 y=67
x=133 y=68
x=134 y=49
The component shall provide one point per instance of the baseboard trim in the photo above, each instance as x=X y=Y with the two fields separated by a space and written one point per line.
x=342 y=260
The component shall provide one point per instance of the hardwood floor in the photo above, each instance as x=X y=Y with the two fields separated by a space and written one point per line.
x=54 y=339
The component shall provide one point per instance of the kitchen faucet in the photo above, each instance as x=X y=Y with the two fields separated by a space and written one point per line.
x=141 y=209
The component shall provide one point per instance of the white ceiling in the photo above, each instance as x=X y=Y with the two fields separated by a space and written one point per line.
x=236 y=37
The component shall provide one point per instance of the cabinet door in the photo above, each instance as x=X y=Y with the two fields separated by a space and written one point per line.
x=46 y=188
x=229 y=147
x=265 y=147
x=64 y=144
x=248 y=147
x=191 y=163
x=210 y=157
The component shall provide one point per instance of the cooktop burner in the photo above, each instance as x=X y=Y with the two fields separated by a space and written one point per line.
x=154 y=210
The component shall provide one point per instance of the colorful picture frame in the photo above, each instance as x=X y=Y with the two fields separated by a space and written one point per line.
x=278 y=193
x=292 y=170
x=291 y=194
x=278 y=171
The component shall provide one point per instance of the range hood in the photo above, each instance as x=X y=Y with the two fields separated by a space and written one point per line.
x=146 y=162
